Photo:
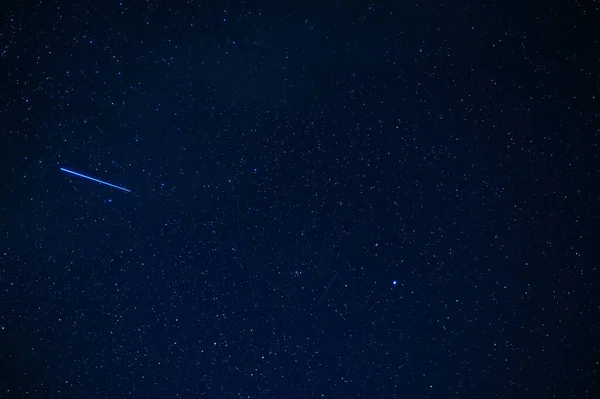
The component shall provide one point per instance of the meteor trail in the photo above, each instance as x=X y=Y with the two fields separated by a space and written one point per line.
x=96 y=180
x=327 y=289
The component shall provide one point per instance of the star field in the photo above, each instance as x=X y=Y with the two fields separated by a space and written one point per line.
x=328 y=200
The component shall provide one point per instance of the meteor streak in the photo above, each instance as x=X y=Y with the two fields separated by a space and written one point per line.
x=327 y=289
x=96 y=180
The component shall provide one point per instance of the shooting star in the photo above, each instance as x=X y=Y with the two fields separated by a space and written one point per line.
x=96 y=180
x=327 y=289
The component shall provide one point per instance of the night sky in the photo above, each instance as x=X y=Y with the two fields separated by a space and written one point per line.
x=353 y=200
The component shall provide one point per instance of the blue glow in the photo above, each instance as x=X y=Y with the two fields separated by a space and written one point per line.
x=394 y=282
x=96 y=180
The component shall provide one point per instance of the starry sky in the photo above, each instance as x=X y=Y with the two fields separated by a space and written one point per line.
x=327 y=199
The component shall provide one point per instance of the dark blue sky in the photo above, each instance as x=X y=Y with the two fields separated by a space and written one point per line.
x=287 y=163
